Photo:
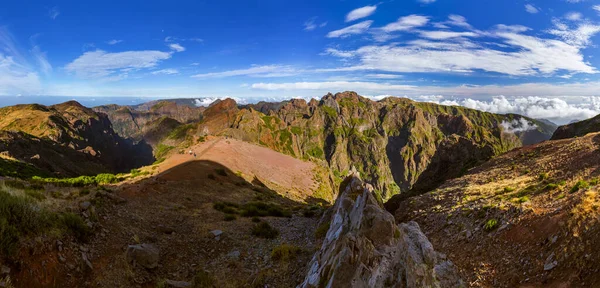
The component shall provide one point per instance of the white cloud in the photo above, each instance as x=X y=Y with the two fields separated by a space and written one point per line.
x=597 y=8
x=338 y=53
x=458 y=20
x=351 y=30
x=311 y=24
x=254 y=71
x=426 y=1
x=114 y=41
x=205 y=102
x=574 y=16
x=53 y=12
x=331 y=86
x=360 y=13
x=442 y=35
x=41 y=59
x=531 y=9
x=579 y=37
x=16 y=78
x=518 y=125
x=406 y=23
x=100 y=64
x=383 y=76
x=176 y=47
x=165 y=72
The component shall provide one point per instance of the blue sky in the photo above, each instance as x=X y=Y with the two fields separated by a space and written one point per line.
x=538 y=58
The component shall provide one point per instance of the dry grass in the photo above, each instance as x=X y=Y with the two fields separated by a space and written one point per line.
x=585 y=214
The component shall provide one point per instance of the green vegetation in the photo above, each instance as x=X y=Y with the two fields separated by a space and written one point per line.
x=296 y=130
x=551 y=186
x=285 y=252
x=80 y=181
x=20 y=217
x=252 y=209
x=490 y=225
x=230 y=217
x=18 y=169
x=162 y=150
x=580 y=185
x=264 y=230
x=331 y=112
x=180 y=132
x=203 y=280
x=137 y=172
x=543 y=176
x=322 y=229
x=508 y=189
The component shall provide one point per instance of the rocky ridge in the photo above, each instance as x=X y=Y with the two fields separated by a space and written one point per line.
x=365 y=248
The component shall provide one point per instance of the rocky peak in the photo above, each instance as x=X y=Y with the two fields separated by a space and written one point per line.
x=364 y=247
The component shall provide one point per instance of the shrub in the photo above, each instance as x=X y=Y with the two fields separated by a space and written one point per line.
x=203 y=280
x=543 y=176
x=551 y=186
x=263 y=209
x=35 y=194
x=594 y=182
x=211 y=177
x=255 y=219
x=508 y=189
x=490 y=225
x=76 y=225
x=106 y=178
x=221 y=171
x=285 y=252
x=580 y=185
x=18 y=216
x=322 y=229
x=230 y=217
x=264 y=230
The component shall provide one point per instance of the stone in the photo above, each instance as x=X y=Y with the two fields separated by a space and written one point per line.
x=216 y=233
x=177 y=284
x=4 y=270
x=234 y=254
x=87 y=261
x=364 y=247
x=145 y=255
x=550 y=263
x=85 y=205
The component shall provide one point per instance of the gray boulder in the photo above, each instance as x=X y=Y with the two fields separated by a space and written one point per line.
x=365 y=248
x=145 y=255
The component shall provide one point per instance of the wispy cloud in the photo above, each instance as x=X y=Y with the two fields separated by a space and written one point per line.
x=176 y=47
x=360 y=13
x=426 y=1
x=311 y=24
x=41 y=59
x=574 y=16
x=597 y=8
x=406 y=23
x=531 y=9
x=113 y=42
x=578 y=36
x=53 y=12
x=100 y=64
x=254 y=71
x=165 y=72
x=359 y=28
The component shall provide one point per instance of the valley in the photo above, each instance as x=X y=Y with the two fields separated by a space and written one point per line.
x=275 y=194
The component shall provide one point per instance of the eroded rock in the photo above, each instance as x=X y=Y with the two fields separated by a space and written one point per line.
x=365 y=248
x=145 y=255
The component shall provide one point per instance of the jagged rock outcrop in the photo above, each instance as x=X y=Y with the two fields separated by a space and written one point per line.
x=68 y=139
x=577 y=129
x=397 y=144
x=365 y=248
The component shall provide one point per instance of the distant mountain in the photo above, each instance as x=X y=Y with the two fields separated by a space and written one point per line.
x=153 y=120
x=577 y=129
x=396 y=144
x=68 y=139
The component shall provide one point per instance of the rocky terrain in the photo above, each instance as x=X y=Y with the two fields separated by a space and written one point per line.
x=68 y=139
x=292 y=194
x=577 y=129
x=364 y=247
x=528 y=218
x=396 y=144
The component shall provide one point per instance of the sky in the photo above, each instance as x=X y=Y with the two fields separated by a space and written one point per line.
x=539 y=58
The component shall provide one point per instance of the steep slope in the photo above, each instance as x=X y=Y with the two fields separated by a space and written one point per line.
x=64 y=129
x=149 y=121
x=577 y=129
x=396 y=144
x=364 y=247
x=528 y=218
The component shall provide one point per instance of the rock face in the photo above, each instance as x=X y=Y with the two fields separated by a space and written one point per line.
x=397 y=144
x=68 y=139
x=577 y=129
x=145 y=255
x=365 y=248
